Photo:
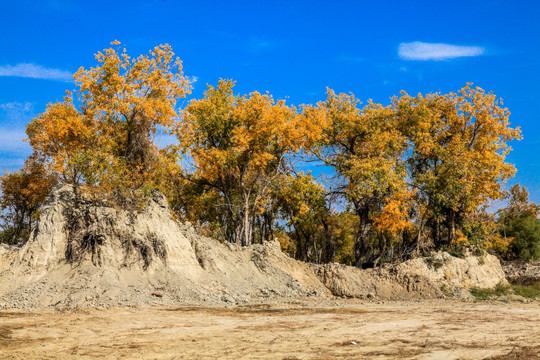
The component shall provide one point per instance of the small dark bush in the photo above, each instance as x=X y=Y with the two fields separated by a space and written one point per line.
x=434 y=263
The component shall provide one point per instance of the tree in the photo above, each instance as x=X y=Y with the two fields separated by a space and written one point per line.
x=129 y=100
x=302 y=203
x=64 y=140
x=519 y=222
x=366 y=148
x=106 y=141
x=198 y=204
x=239 y=146
x=22 y=195
x=460 y=142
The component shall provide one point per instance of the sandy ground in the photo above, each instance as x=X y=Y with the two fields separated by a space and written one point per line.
x=344 y=330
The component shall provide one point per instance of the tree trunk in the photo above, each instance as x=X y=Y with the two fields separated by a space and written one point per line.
x=360 y=243
x=300 y=254
x=330 y=250
x=438 y=233
x=246 y=224
x=419 y=236
x=451 y=227
x=382 y=250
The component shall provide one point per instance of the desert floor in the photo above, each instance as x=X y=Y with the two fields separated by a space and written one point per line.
x=336 y=330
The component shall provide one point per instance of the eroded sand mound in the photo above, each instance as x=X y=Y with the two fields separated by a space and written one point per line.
x=85 y=255
x=520 y=272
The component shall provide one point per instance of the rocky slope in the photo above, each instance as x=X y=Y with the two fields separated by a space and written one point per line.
x=520 y=272
x=86 y=255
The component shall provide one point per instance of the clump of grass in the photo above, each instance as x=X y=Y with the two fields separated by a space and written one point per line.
x=478 y=252
x=456 y=251
x=484 y=294
x=446 y=290
x=527 y=291
x=434 y=263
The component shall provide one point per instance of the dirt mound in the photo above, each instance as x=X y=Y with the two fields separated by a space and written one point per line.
x=96 y=256
x=380 y=283
x=523 y=273
x=83 y=254
x=440 y=275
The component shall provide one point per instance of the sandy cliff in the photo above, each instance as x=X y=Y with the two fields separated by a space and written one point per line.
x=83 y=254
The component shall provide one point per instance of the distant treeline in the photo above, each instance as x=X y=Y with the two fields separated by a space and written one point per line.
x=398 y=180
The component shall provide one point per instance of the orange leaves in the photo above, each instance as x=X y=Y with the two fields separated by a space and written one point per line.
x=59 y=136
x=451 y=148
x=142 y=90
x=59 y=128
x=394 y=217
x=242 y=135
x=459 y=144
x=107 y=141
x=367 y=144
x=303 y=197
x=27 y=187
x=238 y=145
x=129 y=99
x=22 y=193
x=466 y=134
x=237 y=150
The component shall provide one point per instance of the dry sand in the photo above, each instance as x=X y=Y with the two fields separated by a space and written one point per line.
x=332 y=330
x=99 y=282
x=83 y=254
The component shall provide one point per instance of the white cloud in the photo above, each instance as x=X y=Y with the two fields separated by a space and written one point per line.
x=17 y=107
x=13 y=119
x=35 y=72
x=11 y=164
x=436 y=51
x=16 y=114
x=13 y=140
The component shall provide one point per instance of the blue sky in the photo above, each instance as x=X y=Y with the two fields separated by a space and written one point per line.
x=294 y=49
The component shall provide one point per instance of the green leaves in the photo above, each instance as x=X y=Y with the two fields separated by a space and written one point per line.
x=412 y=174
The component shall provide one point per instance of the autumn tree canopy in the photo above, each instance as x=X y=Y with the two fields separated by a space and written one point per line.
x=239 y=147
x=64 y=141
x=23 y=193
x=397 y=180
x=104 y=137
x=519 y=222
x=459 y=145
x=365 y=147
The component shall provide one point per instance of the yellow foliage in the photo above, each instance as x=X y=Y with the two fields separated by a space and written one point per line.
x=106 y=144
x=464 y=138
x=238 y=146
x=21 y=195
x=394 y=217
x=499 y=243
x=461 y=239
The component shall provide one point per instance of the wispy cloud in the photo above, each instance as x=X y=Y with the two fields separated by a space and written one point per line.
x=16 y=114
x=35 y=71
x=436 y=51
x=13 y=119
x=13 y=140
x=17 y=107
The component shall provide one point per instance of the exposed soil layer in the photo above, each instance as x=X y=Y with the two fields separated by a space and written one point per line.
x=325 y=330
x=521 y=272
x=87 y=255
